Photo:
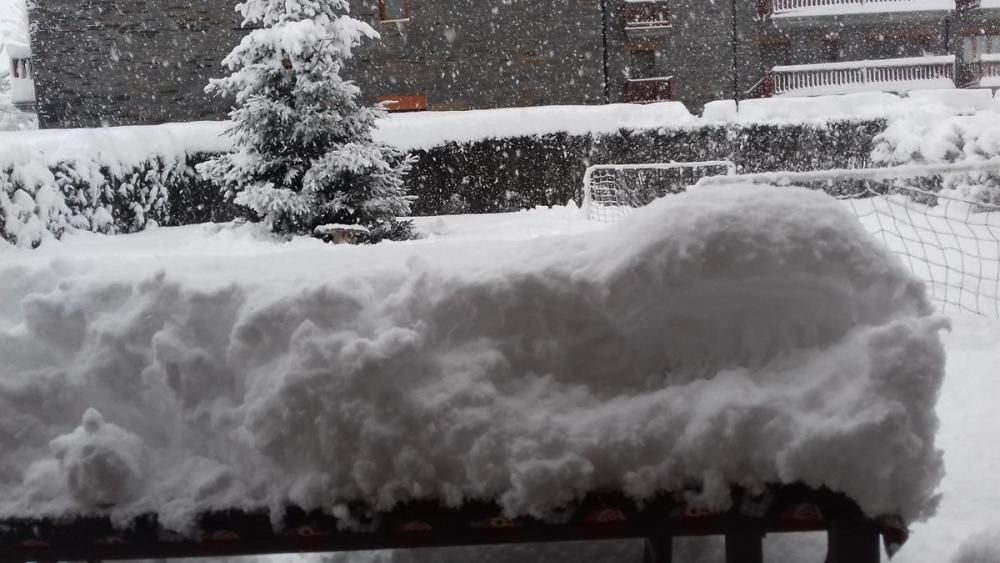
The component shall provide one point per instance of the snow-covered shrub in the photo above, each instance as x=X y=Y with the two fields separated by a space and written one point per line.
x=40 y=200
x=304 y=155
x=920 y=139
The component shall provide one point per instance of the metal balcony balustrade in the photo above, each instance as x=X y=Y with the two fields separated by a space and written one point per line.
x=890 y=75
x=645 y=90
x=985 y=72
x=642 y=16
x=829 y=7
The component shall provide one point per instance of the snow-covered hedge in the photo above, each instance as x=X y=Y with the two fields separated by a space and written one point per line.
x=111 y=181
x=929 y=138
x=512 y=173
x=124 y=179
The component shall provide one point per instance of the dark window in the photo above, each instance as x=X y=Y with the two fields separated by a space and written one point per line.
x=394 y=10
x=642 y=64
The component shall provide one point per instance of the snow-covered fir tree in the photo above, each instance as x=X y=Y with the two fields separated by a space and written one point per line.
x=304 y=159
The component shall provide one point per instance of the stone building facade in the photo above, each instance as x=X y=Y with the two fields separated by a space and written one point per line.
x=120 y=62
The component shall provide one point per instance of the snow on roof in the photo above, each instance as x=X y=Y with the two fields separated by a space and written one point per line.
x=728 y=335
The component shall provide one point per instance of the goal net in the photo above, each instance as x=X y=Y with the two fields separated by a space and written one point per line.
x=612 y=191
x=945 y=237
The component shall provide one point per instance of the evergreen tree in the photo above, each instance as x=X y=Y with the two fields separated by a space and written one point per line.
x=304 y=159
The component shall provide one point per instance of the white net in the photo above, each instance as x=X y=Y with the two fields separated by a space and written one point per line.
x=952 y=243
x=612 y=191
x=944 y=237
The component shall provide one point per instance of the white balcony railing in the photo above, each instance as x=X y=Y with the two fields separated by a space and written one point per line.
x=987 y=71
x=833 y=7
x=889 y=75
x=647 y=15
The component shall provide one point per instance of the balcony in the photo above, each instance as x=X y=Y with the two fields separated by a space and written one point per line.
x=985 y=72
x=647 y=17
x=646 y=90
x=805 y=8
x=889 y=75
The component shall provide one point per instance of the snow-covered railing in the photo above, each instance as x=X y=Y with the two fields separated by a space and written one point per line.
x=887 y=75
x=853 y=538
x=653 y=89
x=647 y=15
x=835 y=7
x=986 y=71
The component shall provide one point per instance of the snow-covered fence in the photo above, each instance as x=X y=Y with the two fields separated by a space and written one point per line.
x=986 y=71
x=890 y=75
x=779 y=7
x=949 y=240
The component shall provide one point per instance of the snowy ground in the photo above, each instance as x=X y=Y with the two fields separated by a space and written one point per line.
x=967 y=408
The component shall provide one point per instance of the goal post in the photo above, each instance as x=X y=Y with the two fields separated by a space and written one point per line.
x=611 y=191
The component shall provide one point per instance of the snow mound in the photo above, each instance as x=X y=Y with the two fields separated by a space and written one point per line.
x=983 y=547
x=741 y=335
x=102 y=463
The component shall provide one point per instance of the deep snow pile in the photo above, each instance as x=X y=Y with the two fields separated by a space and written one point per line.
x=740 y=335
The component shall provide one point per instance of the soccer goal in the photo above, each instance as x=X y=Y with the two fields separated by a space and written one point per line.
x=923 y=213
x=612 y=191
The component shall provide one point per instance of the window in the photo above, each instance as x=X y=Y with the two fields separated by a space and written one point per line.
x=642 y=63
x=974 y=46
x=394 y=10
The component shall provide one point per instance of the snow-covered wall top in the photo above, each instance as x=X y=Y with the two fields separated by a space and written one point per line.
x=413 y=131
x=423 y=130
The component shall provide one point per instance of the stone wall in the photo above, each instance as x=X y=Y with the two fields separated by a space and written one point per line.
x=116 y=62
x=124 y=62
x=472 y=54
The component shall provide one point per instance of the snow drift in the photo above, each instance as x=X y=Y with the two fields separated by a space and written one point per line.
x=742 y=335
